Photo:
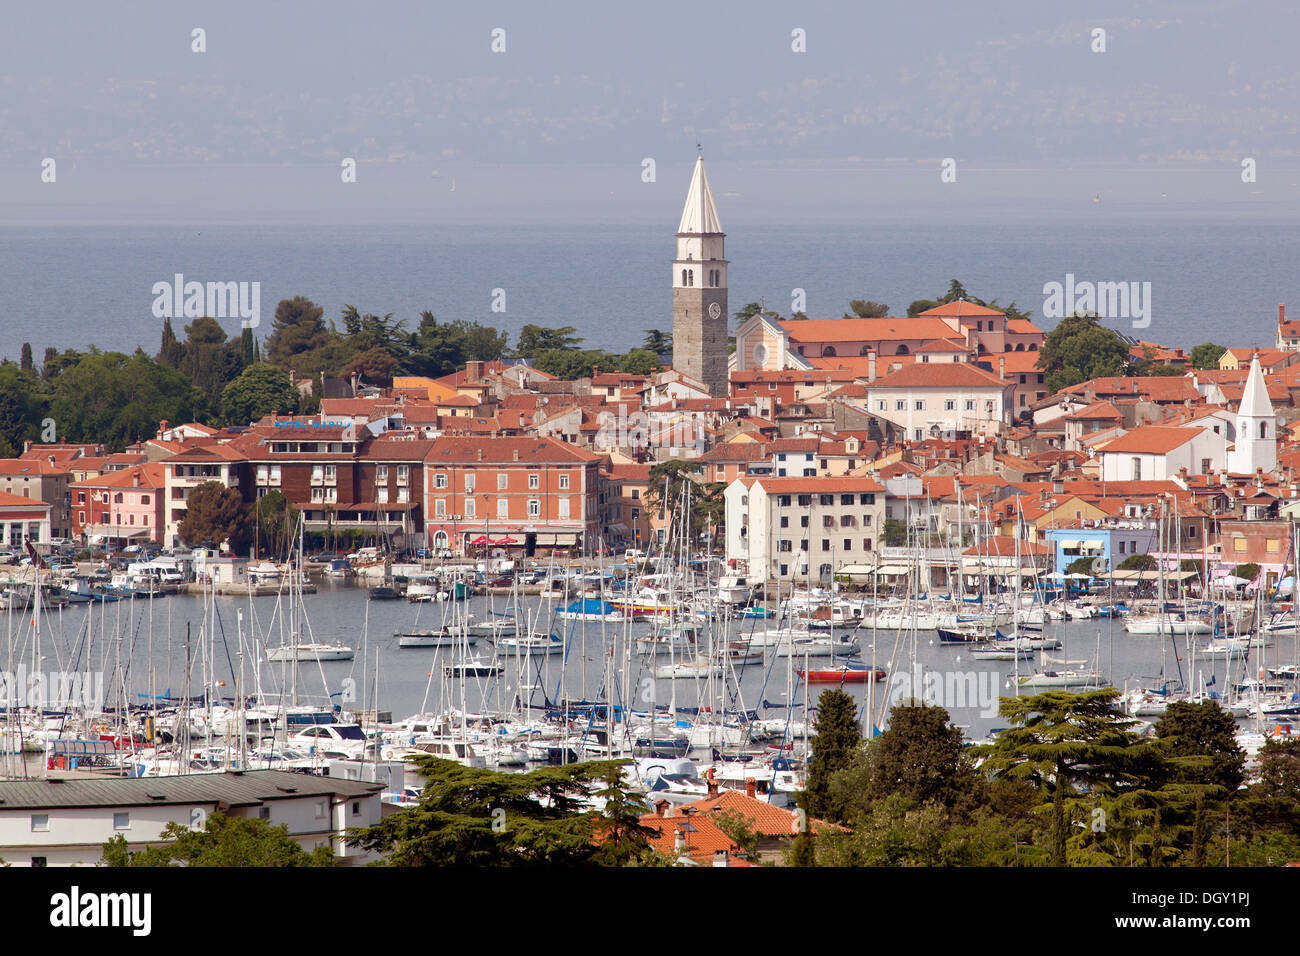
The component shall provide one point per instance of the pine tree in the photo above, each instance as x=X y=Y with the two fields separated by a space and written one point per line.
x=170 y=353
x=26 y=362
x=838 y=739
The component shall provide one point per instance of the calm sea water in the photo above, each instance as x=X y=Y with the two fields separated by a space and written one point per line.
x=1217 y=274
x=149 y=639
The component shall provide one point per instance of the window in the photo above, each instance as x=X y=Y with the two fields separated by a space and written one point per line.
x=950 y=405
x=38 y=861
x=469 y=482
x=320 y=809
x=264 y=813
x=1136 y=464
x=534 y=508
x=440 y=508
x=784 y=501
x=846 y=499
x=1239 y=544
x=469 y=508
x=826 y=544
x=970 y=404
x=403 y=474
x=826 y=499
x=503 y=481
x=899 y=405
x=381 y=474
x=564 y=508
x=382 y=493
x=402 y=494
x=40 y=822
x=920 y=406
x=121 y=821
x=783 y=545
x=1273 y=545
x=848 y=544
x=564 y=484
x=440 y=481
x=356 y=808
x=534 y=481
x=805 y=501
x=785 y=521
x=503 y=508
x=882 y=405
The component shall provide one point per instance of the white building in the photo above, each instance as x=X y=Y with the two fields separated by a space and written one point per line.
x=1157 y=452
x=184 y=472
x=952 y=396
x=794 y=527
x=66 y=822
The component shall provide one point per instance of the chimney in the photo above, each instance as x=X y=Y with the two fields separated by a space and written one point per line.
x=162 y=428
x=713 y=788
x=751 y=788
x=871 y=366
x=473 y=371
x=480 y=454
x=680 y=843
x=721 y=858
x=516 y=454
x=661 y=808
x=27 y=446
x=1002 y=367
x=1281 y=312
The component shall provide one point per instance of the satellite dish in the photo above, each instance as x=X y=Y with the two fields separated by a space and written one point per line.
x=1098 y=567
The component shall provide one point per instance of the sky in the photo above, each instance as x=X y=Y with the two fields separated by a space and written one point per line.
x=584 y=109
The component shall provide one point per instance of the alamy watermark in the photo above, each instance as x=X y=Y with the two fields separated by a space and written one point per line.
x=1109 y=300
x=638 y=431
x=957 y=690
x=217 y=300
x=57 y=690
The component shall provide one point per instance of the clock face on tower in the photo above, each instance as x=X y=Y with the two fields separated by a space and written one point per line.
x=715 y=310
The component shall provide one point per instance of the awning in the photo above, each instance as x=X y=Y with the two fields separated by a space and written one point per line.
x=892 y=570
x=856 y=569
x=1092 y=545
x=1072 y=543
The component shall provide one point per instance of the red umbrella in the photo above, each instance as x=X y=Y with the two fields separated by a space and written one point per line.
x=505 y=541
x=481 y=539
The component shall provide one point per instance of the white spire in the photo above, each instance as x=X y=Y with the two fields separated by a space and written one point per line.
x=700 y=215
x=1255 y=402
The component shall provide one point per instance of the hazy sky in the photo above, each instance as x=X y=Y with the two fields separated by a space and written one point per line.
x=558 y=125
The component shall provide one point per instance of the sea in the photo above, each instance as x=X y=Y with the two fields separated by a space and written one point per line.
x=177 y=646
x=1216 y=272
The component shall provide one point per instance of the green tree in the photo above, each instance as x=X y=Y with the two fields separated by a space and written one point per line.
x=639 y=362
x=214 y=514
x=867 y=309
x=658 y=341
x=1064 y=743
x=25 y=360
x=259 y=390
x=1078 y=350
x=1206 y=355
x=224 y=841
x=1200 y=744
x=473 y=817
x=837 y=740
x=298 y=327
x=117 y=399
x=536 y=339
x=923 y=757
x=375 y=366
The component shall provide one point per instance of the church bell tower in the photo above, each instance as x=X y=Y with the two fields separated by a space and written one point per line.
x=700 y=289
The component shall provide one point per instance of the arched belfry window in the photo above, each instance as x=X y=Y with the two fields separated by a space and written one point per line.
x=1263 y=429
x=690 y=277
x=683 y=277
